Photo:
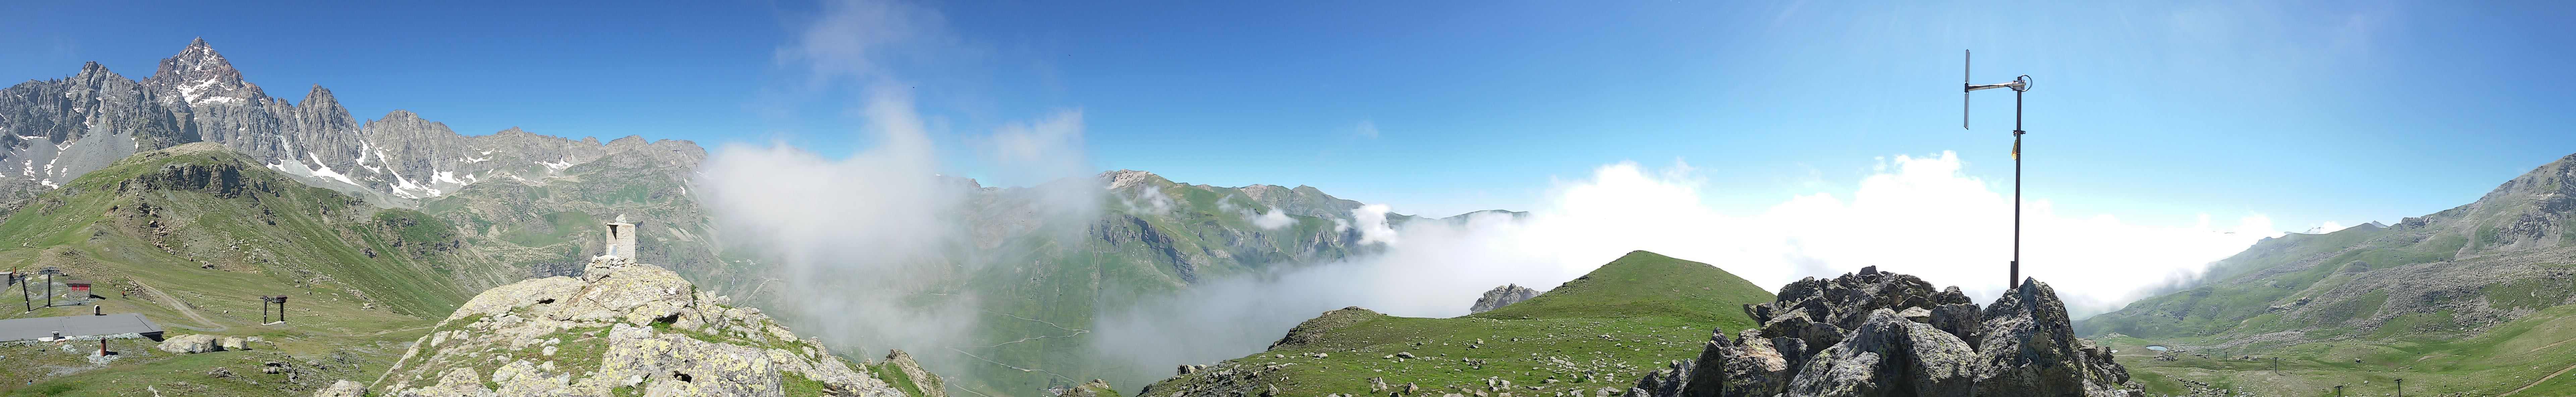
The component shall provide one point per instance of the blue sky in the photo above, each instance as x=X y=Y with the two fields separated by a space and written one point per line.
x=2305 y=112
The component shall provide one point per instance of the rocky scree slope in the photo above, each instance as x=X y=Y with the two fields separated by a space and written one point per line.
x=620 y=328
x=1885 y=334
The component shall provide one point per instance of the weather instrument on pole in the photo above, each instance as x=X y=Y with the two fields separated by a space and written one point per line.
x=2018 y=85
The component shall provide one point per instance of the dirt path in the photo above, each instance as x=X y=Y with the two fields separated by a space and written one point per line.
x=2551 y=344
x=2536 y=382
x=174 y=303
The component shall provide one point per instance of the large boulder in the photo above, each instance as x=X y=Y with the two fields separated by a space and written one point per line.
x=343 y=388
x=190 y=344
x=2028 y=347
x=1889 y=355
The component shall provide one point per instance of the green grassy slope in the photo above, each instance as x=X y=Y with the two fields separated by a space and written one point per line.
x=2470 y=299
x=190 y=236
x=1605 y=329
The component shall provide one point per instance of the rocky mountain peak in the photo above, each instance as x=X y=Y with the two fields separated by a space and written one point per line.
x=198 y=74
x=89 y=71
x=1124 y=178
x=2548 y=181
x=320 y=100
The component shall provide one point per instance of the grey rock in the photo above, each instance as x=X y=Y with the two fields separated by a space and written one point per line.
x=1889 y=355
x=190 y=344
x=2027 y=346
x=1877 y=333
x=342 y=388
x=1502 y=296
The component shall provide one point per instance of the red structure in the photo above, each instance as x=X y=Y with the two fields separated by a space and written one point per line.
x=81 y=286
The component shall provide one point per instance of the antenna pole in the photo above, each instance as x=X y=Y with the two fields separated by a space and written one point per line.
x=2015 y=282
x=2018 y=85
x=1967 y=63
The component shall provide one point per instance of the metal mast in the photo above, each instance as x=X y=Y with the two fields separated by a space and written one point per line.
x=2019 y=85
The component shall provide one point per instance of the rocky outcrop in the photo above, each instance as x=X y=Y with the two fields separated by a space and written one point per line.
x=621 y=326
x=2027 y=345
x=924 y=383
x=1884 y=334
x=1502 y=296
x=1095 y=388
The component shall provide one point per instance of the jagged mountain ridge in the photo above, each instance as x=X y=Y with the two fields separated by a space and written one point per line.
x=52 y=131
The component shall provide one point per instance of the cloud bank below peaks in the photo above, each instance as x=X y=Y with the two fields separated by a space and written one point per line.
x=1916 y=215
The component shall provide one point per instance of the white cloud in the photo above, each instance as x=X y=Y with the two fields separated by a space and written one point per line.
x=1271 y=220
x=856 y=39
x=1917 y=216
x=1372 y=223
x=1146 y=200
x=852 y=237
x=1367 y=129
x=1035 y=153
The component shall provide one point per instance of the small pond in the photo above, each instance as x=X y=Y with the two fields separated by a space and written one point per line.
x=2157 y=347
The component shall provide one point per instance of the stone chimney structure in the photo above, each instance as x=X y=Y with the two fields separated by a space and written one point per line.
x=621 y=239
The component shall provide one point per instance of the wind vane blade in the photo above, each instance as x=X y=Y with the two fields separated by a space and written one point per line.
x=1966 y=57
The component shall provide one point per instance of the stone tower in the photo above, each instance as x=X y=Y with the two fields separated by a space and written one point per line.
x=621 y=239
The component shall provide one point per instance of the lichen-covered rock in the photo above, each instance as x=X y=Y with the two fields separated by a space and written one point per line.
x=187 y=344
x=621 y=326
x=1502 y=296
x=1885 y=334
